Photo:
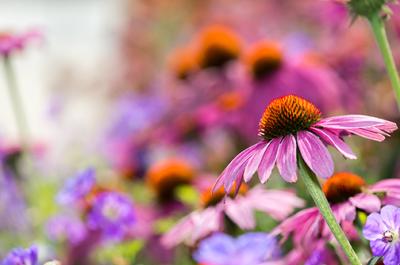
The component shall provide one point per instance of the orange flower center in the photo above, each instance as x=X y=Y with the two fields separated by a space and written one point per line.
x=264 y=59
x=230 y=100
x=287 y=115
x=166 y=176
x=209 y=198
x=183 y=63
x=342 y=186
x=217 y=46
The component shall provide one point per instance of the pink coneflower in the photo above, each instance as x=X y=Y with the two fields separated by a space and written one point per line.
x=346 y=192
x=10 y=42
x=290 y=123
x=240 y=211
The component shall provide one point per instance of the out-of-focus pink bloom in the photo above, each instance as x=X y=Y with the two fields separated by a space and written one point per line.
x=289 y=123
x=347 y=193
x=10 y=42
x=315 y=254
x=240 y=210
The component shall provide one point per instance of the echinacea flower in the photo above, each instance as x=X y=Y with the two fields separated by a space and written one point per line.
x=10 y=42
x=77 y=187
x=346 y=193
x=113 y=214
x=290 y=123
x=383 y=230
x=240 y=211
x=165 y=176
x=216 y=46
x=247 y=249
x=20 y=256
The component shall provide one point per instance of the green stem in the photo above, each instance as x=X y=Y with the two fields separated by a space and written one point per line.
x=314 y=189
x=16 y=103
x=378 y=28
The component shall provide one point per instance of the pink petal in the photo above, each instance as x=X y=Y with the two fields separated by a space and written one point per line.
x=286 y=159
x=335 y=141
x=253 y=163
x=365 y=133
x=368 y=202
x=239 y=212
x=356 y=121
x=268 y=161
x=229 y=174
x=315 y=154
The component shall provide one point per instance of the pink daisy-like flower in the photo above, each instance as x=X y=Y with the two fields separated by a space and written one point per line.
x=346 y=192
x=10 y=42
x=240 y=211
x=290 y=123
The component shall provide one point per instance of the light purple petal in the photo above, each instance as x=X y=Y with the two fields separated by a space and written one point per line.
x=315 y=154
x=335 y=141
x=391 y=216
x=268 y=161
x=286 y=159
x=392 y=256
x=368 y=202
x=253 y=163
x=374 y=227
x=380 y=248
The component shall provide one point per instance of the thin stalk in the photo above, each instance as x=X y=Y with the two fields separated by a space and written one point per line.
x=378 y=28
x=16 y=102
x=314 y=189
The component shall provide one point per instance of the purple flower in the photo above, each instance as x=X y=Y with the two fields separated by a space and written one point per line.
x=76 y=188
x=248 y=249
x=382 y=230
x=66 y=228
x=113 y=214
x=290 y=123
x=19 y=256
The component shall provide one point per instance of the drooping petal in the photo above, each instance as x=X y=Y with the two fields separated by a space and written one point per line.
x=368 y=202
x=335 y=141
x=228 y=176
x=268 y=161
x=315 y=154
x=356 y=121
x=286 y=159
x=253 y=163
x=239 y=212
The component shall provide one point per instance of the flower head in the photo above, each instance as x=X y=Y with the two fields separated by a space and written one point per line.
x=21 y=256
x=290 y=123
x=10 y=42
x=164 y=177
x=239 y=210
x=113 y=214
x=264 y=59
x=346 y=193
x=78 y=187
x=383 y=230
x=248 y=249
x=183 y=62
x=217 y=45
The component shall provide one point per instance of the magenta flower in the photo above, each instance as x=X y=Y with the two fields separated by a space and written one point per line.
x=346 y=192
x=240 y=211
x=21 y=256
x=290 y=123
x=10 y=42
x=383 y=230
x=113 y=214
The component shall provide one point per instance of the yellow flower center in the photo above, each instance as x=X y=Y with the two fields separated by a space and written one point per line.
x=287 y=115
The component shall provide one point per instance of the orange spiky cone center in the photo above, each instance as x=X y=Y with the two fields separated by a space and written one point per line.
x=342 y=186
x=287 y=115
